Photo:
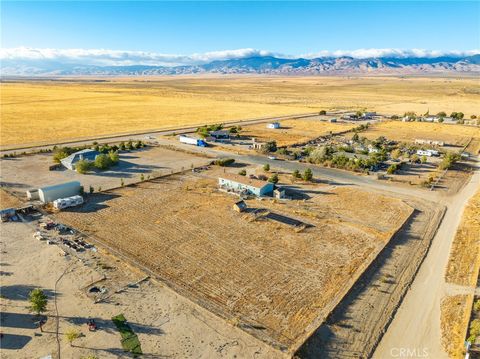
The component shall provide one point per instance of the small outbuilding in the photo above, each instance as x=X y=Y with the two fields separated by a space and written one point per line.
x=245 y=185
x=86 y=154
x=62 y=190
x=220 y=135
x=273 y=125
x=32 y=194
x=240 y=206
x=279 y=193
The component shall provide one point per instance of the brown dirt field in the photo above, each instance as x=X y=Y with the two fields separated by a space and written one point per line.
x=8 y=201
x=295 y=131
x=274 y=282
x=464 y=262
x=125 y=105
x=457 y=135
x=455 y=315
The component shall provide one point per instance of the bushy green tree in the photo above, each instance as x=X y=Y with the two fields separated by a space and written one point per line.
x=242 y=172
x=102 y=161
x=38 y=301
x=83 y=166
x=307 y=175
x=114 y=157
x=296 y=174
x=266 y=167
x=273 y=178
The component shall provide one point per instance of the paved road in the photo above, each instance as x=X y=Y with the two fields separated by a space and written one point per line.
x=416 y=326
x=140 y=135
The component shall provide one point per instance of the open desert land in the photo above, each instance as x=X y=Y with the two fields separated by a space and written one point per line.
x=167 y=325
x=254 y=269
x=112 y=106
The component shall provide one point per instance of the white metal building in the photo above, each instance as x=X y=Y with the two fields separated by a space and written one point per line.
x=62 y=190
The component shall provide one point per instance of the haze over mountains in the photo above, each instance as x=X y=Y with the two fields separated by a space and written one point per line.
x=253 y=62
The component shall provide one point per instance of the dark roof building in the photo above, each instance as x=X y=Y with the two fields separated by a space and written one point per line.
x=87 y=154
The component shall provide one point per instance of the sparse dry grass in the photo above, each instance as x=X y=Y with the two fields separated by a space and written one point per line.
x=454 y=318
x=7 y=200
x=37 y=111
x=409 y=131
x=295 y=131
x=464 y=262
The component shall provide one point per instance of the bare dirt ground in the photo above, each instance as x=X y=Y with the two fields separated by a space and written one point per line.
x=25 y=172
x=255 y=270
x=355 y=326
x=167 y=324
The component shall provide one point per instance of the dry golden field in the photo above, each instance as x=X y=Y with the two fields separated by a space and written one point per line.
x=464 y=263
x=46 y=111
x=455 y=315
x=295 y=131
x=253 y=269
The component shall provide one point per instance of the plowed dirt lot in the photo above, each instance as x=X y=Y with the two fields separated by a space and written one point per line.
x=268 y=278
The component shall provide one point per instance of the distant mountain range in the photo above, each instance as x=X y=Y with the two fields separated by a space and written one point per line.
x=256 y=65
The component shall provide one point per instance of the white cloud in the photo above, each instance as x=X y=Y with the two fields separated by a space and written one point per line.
x=116 y=57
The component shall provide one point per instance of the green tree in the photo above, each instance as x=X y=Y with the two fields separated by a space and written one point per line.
x=38 y=301
x=71 y=335
x=142 y=177
x=392 y=169
x=423 y=159
x=308 y=175
x=242 y=172
x=441 y=119
x=83 y=166
x=270 y=146
x=296 y=174
x=441 y=114
x=355 y=137
x=114 y=157
x=122 y=183
x=102 y=161
x=273 y=178
x=266 y=167
x=322 y=113
x=414 y=158
x=473 y=117
x=396 y=153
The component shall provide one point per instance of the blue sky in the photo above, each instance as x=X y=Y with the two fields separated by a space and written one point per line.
x=174 y=33
x=284 y=27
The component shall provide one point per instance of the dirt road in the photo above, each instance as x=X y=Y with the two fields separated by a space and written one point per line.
x=415 y=330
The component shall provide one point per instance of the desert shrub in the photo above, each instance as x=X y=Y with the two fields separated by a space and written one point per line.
x=322 y=112
x=392 y=169
x=296 y=174
x=242 y=172
x=224 y=162
x=266 y=167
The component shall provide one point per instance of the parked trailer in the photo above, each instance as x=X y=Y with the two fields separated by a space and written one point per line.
x=192 y=141
x=62 y=203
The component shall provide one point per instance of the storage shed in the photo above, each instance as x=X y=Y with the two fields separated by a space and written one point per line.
x=87 y=154
x=62 y=190
x=32 y=194
x=245 y=185
x=239 y=206
x=273 y=125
